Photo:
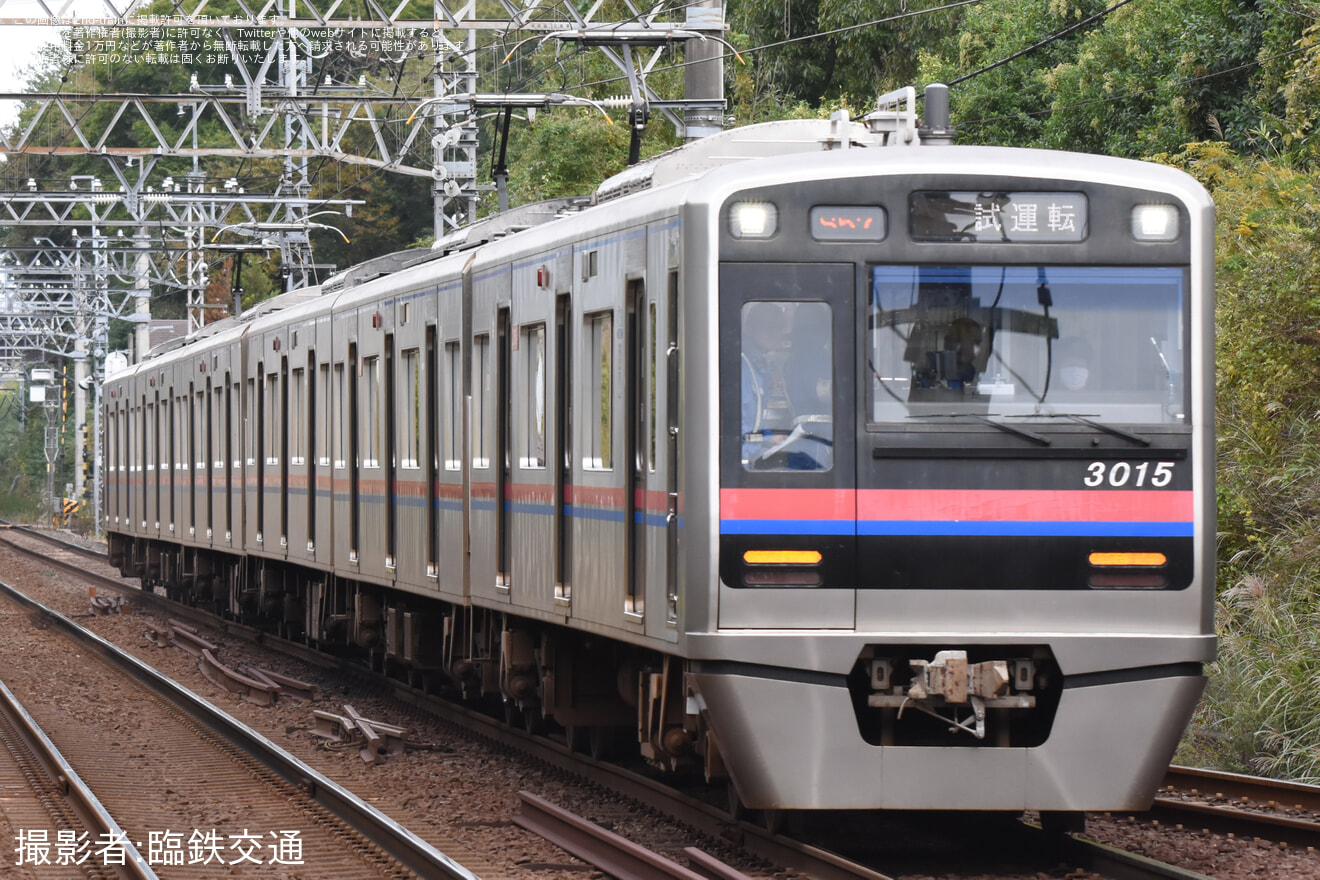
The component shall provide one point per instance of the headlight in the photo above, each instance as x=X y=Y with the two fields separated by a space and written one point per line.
x=753 y=219
x=1155 y=222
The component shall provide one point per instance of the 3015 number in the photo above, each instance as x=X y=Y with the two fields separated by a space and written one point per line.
x=1121 y=473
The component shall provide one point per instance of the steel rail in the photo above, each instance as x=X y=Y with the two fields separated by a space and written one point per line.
x=1109 y=862
x=703 y=817
x=1237 y=785
x=1235 y=820
x=395 y=840
x=90 y=553
x=612 y=853
x=80 y=797
x=169 y=607
x=1252 y=809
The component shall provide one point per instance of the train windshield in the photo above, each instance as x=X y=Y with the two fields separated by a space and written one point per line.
x=1028 y=342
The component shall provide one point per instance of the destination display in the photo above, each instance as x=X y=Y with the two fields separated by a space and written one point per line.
x=998 y=217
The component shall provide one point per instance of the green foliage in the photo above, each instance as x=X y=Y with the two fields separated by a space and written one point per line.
x=566 y=153
x=1006 y=105
x=23 y=459
x=1258 y=714
x=1301 y=96
x=754 y=91
x=1146 y=78
x=1142 y=82
x=850 y=63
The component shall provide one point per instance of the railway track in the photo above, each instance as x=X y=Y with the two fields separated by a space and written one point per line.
x=41 y=792
x=1247 y=806
x=697 y=814
x=212 y=795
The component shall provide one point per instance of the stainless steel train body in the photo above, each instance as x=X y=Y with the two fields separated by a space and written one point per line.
x=946 y=574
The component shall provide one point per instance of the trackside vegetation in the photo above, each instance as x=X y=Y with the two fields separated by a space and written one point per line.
x=1259 y=714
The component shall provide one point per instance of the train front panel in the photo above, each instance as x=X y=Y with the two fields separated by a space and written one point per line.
x=962 y=506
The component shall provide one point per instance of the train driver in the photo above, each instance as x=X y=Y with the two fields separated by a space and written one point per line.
x=962 y=339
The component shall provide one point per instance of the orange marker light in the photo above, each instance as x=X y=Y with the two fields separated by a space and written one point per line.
x=1147 y=560
x=781 y=557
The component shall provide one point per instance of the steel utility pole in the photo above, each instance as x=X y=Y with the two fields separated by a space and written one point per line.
x=704 y=81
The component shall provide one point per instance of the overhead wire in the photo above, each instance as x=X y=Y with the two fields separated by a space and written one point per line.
x=1113 y=99
x=1052 y=38
x=400 y=67
x=805 y=38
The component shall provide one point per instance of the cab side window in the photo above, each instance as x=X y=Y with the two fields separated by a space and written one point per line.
x=787 y=386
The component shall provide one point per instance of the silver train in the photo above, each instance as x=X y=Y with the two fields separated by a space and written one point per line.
x=859 y=469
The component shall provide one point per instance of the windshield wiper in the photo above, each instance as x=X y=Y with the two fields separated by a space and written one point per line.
x=1099 y=426
x=1003 y=426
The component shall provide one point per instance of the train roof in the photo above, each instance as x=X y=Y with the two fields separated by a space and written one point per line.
x=765 y=153
x=764 y=140
x=955 y=160
x=687 y=162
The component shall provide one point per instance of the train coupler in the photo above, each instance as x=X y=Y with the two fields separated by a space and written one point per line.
x=949 y=682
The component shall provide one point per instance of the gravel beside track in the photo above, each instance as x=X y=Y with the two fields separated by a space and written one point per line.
x=160 y=773
x=1215 y=855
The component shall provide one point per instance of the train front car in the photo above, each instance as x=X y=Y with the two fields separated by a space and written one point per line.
x=963 y=531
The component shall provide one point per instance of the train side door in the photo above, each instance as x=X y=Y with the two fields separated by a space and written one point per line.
x=503 y=453
x=389 y=456
x=563 y=456
x=309 y=431
x=208 y=453
x=788 y=519
x=636 y=392
x=669 y=442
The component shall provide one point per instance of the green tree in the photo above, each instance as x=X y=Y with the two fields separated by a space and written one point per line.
x=822 y=52
x=1156 y=76
x=1258 y=714
x=1007 y=104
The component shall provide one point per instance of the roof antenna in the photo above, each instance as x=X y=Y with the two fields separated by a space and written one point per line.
x=937 y=131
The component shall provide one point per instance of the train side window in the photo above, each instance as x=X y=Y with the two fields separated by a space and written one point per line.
x=341 y=407
x=651 y=389
x=185 y=461
x=165 y=413
x=272 y=414
x=218 y=425
x=297 y=430
x=412 y=408
x=201 y=421
x=533 y=345
x=787 y=386
x=452 y=409
x=323 y=424
x=481 y=379
x=599 y=423
x=371 y=396
x=250 y=426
